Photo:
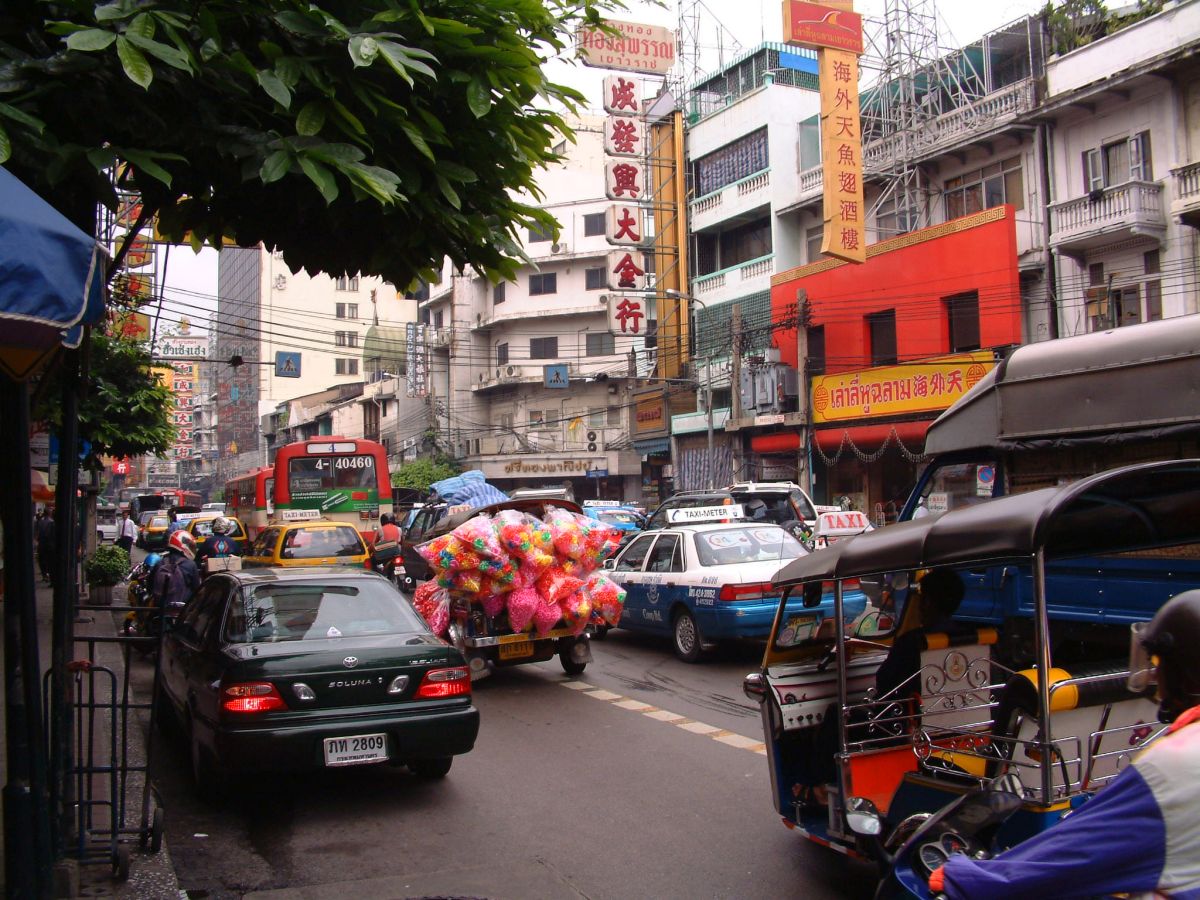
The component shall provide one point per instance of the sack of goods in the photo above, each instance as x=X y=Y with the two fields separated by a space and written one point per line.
x=385 y=551
x=223 y=564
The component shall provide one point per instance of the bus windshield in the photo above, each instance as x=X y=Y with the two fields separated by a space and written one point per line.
x=325 y=473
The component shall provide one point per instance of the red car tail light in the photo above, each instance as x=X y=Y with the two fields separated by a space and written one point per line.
x=251 y=697
x=453 y=682
x=747 y=591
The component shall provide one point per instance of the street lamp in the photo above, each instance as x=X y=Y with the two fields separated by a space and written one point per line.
x=708 y=394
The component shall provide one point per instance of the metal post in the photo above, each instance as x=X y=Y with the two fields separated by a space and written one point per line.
x=1041 y=623
x=708 y=400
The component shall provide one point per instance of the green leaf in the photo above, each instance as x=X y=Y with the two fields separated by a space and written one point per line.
x=401 y=61
x=137 y=69
x=275 y=166
x=111 y=12
x=145 y=165
x=321 y=177
x=311 y=118
x=479 y=98
x=349 y=118
x=5 y=145
x=21 y=117
x=457 y=172
x=276 y=89
x=164 y=52
x=363 y=49
x=90 y=40
x=448 y=192
x=298 y=23
x=142 y=26
x=341 y=154
x=417 y=139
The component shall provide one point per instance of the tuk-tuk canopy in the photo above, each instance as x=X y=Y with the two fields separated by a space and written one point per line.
x=1131 y=508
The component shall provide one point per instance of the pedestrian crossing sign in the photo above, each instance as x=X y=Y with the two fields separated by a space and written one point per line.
x=287 y=364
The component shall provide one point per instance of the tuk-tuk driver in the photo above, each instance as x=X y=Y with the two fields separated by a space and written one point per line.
x=1141 y=834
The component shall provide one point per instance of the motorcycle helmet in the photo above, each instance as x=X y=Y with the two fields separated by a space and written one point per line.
x=223 y=525
x=184 y=543
x=152 y=560
x=1167 y=643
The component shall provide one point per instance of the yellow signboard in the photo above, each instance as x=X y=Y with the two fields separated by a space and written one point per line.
x=927 y=386
x=841 y=155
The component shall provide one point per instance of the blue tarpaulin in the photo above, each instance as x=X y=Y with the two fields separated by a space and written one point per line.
x=470 y=488
x=51 y=278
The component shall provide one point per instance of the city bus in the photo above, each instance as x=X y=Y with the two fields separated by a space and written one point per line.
x=344 y=479
x=174 y=498
x=249 y=498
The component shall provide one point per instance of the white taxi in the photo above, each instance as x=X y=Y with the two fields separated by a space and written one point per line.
x=709 y=578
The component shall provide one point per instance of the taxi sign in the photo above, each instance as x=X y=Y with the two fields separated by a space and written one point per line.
x=706 y=513
x=610 y=504
x=299 y=515
x=843 y=522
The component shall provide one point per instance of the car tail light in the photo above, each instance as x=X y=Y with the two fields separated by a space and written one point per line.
x=747 y=591
x=251 y=697
x=452 y=682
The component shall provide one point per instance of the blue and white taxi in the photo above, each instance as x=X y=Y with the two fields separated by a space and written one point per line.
x=706 y=577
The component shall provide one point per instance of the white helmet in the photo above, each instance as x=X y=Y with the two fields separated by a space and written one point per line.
x=223 y=525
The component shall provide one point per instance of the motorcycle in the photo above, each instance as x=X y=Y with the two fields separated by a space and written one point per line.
x=143 y=620
x=972 y=824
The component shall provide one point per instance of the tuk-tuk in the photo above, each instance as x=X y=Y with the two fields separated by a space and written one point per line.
x=966 y=718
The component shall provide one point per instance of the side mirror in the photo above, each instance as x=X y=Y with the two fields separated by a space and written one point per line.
x=754 y=686
x=812 y=594
x=610 y=564
x=863 y=818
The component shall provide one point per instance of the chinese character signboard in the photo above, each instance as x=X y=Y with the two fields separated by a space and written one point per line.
x=624 y=273
x=636 y=48
x=624 y=226
x=621 y=96
x=928 y=386
x=414 y=345
x=624 y=136
x=624 y=180
x=627 y=315
x=835 y=31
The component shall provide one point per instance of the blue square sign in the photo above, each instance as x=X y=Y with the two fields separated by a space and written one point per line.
x=555 y=377
x=287 y=364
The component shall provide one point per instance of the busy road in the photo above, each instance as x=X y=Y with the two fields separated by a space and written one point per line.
x=644 y=777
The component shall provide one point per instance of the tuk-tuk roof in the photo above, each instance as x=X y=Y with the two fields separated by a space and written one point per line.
x=1134 y=507
x=1132 y=383
x=533 y=505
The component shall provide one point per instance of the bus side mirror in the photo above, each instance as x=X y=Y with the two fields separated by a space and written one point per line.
x=812 y=594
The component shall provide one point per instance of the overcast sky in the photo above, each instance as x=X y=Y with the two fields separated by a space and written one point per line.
x=192 y=280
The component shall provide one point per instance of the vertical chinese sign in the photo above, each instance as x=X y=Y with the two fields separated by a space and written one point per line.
x=834 y=30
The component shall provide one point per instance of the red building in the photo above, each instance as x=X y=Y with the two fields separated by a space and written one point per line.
x=891 y=343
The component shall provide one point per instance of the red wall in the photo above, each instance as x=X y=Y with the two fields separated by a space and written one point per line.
x=914 y=280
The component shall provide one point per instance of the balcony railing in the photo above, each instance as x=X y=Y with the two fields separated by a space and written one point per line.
x=732 y=193
x=1103 y=217
x=1186 y=205
x=734 y=276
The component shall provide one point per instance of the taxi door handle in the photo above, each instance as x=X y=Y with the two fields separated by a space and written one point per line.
x=668 y=584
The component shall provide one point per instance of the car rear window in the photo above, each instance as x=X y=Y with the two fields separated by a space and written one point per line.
x=202 y=529
x=319 y=611
x=313 y=543
x=159 y=522
x=619 y=517
x=731 y=546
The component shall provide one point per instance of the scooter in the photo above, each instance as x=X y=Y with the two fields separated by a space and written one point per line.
x=971 y=824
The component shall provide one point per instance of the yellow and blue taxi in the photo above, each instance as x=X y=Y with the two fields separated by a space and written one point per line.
x=152 y=532
x=310 y=542
x=707 y=577
x=201 y=529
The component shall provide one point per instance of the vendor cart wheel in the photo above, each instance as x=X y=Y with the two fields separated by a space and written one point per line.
x=685 y=636
x=157 y=826
x=569 y=665
x=431 y=769
x=120 y=863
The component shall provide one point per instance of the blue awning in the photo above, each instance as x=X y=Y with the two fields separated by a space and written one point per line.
x=653 y=446
x=51 y=278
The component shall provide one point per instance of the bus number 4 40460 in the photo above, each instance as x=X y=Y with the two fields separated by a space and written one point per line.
x=352 y=462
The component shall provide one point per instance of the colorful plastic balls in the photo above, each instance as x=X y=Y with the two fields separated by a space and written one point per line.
x=480 y=535
x=433 y=603
x=568 y=531
x=522 y=604
x=545 y=617
x=576 y=612
x=607 y=597
x=556 y=585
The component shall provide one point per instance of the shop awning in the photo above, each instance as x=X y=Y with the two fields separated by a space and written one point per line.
x=653 y=446
x=864 y=437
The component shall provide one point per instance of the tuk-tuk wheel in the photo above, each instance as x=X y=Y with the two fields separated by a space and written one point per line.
x=569 y=665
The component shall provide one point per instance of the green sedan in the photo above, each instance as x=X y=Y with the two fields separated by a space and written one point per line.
x=309 y=668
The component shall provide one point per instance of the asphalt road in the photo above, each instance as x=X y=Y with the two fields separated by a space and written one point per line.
x=640 y=778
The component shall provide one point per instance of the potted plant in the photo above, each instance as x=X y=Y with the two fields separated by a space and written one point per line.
x=104 y=569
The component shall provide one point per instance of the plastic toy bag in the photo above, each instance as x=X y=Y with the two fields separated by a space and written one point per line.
x=502 y=572
x=601 y=542
x=479 y=534
x=448 y=553
x=569 y=531
x=528 y=543
x=575 y=567
x=469 y=582
x=433 y=603
x=576 y=612
x=606 y=596
x=492 y=600
x=546 y=616
x=522 y=604
x=557 y=586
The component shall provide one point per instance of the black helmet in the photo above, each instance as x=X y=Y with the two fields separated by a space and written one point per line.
x=1173 y=636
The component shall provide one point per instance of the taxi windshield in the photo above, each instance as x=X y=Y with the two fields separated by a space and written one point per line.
x=751 y=543
x=159 y=522
x=202 y=527
x=313 y=543
x=619 y=517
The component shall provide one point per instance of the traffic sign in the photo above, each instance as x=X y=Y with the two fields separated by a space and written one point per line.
x=555 y=377
x=287 y=364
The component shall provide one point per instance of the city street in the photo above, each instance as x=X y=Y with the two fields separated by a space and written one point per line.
x=576 y=788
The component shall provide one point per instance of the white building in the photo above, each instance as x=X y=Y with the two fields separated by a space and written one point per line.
x=1124 y=114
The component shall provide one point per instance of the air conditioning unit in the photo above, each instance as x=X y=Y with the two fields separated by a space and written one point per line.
x=559 y=248
x=512 y=371
x=483 y=378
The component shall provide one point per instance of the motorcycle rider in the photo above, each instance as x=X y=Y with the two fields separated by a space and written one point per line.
x=1141 y=834
x=176 y=577
x=219 y=543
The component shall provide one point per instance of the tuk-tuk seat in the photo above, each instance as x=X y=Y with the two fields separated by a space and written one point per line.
x=955 y=674
x=1097 y=724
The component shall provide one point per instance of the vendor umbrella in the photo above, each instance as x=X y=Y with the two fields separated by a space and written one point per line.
x=51 y=279
x=39 y=487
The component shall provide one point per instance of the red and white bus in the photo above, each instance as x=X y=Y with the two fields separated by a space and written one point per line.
x=344 y=479
x=249 y=497
x=171 y=498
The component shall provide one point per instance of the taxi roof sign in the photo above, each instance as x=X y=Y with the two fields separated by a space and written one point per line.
x=843 y=522
x=603 y=503
x=299 y=515
x=698 y=514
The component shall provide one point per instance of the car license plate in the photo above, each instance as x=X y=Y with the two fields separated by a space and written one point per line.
x=516 y=649
x=356 y=750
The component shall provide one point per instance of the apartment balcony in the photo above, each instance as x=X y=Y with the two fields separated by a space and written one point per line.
x=520 y=313
x=1129 y=211
x=613 y=366
x=732 y=202
x=736 y=281
x=1186 y=205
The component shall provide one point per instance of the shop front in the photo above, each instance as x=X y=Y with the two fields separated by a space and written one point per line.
x=697 y=467
x=609 y=475
x=652 y=442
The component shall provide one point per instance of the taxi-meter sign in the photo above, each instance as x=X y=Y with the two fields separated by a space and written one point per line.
x=702 y=514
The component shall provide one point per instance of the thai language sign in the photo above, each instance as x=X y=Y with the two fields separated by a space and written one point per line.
x=637 y=48
x=926 y=386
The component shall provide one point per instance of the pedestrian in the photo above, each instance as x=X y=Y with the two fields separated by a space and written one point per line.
x=127 y=533
x=47 y=544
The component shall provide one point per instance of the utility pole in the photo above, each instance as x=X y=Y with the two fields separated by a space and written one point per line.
x=735 y=388
x=803 y=454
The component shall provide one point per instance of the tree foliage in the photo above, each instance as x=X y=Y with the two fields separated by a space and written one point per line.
x=372 y=136
x=421 y=473
x=126 y=410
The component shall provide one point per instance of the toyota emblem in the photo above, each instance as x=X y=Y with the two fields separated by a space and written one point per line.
x=350 y=662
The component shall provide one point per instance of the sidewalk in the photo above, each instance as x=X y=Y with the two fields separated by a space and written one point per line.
x=150 y=874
